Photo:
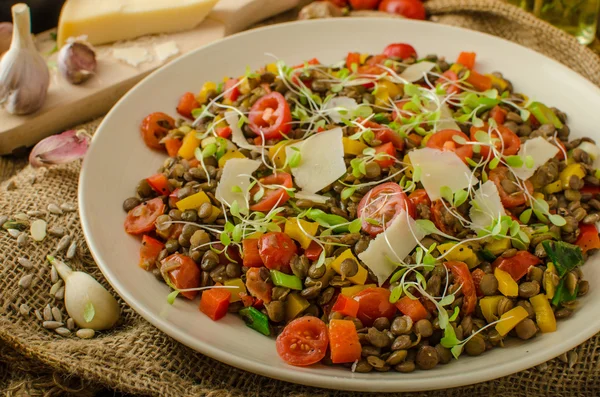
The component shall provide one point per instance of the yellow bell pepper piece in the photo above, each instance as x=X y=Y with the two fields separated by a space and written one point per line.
x=353 y=147
x=538 y=195
x=568 y=172
x=553 y=187
x=360 y=277
x=235 y=293
x=255 y=235
x=425 y=140
x=363 y=58
x=386 y=90
x=409 y=168
x=461 y=254
x=231 y=154
x=489 y=307
x=549 y=286
x=244 y=86
x=193 y=202
x=294 y=305
x=457 y=68
x=355 y=289
x=498 y=246
x=189 y=145
x=277 y=152
x=213 y=215
x=510 y=319
x=203 y=94
x=293 y=229
x=272 y=68
x=544 y=316
x=506 y=284
x=497 y=82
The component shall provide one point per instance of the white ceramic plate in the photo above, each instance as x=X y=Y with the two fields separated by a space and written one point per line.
x=118 y=159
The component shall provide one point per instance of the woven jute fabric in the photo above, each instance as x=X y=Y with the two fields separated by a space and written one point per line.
x=138 y=359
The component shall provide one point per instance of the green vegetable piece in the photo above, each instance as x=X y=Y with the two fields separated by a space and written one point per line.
x=562 y=293
x=487 y=255
x=565 y=256
x=286 y=280
x=328 y=220
x=256 y=320
x=544 y=114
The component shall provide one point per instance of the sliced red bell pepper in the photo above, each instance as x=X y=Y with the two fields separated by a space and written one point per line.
x=467 y=59
x=215 y=302
x=462 y=276
x=588 y=237
x=172 y=145
x=250 y=251
x=313 y=251
x=590 y=189
x=517 y=265
x=388 y=152
x=343 y=342
x=477 y=275
x=187 y=103
x=346 y=306
x=149 y=252
x=479 y=81
x=224 y=132
x=412 y=308
x=159 y=183
x=498 y=114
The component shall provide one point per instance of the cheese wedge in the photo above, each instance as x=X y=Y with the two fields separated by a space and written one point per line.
x=105 y=21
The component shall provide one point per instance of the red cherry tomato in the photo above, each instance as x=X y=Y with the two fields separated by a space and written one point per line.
x=452 y=77
x=155 y=127
x=412 y=9
x=462 y=276
x=149 y=252
x=270 y=116
x=303 y=341
x=187 y=103
x=498 y=114
x=419 y=196
x=339 y=3
x=374 y=303
x=382 y=204
x=141 y=219
x=383 y=133
x=442 y=140
x=364 y=4
x=400 y=50
x=388 y=153
x=513 y=199
x=437 y=216
x=276 y=249
x=517 y=265
x=272 y=197
x=477 y=275
x=509 y=146
x=258 y=288
x=186 y=275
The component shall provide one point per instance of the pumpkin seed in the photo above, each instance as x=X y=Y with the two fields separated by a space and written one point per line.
x=52 y=324
x=70 y=324
x=72 y=250
x=55 y=287
x=54 y=209
x=62 y=331
x=63 y=243
x=38 y=229
x=47 y=313
x=57 y=314
x=68 y=207
x=38 y=314
x=24 y=309
x=60 y=294
x=25 y=281
x=85 y=333
x=26 y=263
x=22 y=240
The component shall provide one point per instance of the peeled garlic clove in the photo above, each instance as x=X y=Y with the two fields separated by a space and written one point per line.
x=77 y=62
x=24 y=75
x=6 y=32
x=60 y=149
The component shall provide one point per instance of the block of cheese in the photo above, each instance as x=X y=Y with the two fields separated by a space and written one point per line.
x=106 y=21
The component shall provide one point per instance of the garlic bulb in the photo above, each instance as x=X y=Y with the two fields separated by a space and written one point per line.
x=77 y=61
x=86 y=300
x=6 y=32
x=24 y=75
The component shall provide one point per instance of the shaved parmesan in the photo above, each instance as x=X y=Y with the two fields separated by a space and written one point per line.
x=446 y=119
x=486 y=206
x=339 y=108
x=540 y=150
x=315 y=198
x=593 y=151
x=416 y=71
x=322 y=160
x=236 y=173
x=393 y=245
x=237 y=136
x=441 y=168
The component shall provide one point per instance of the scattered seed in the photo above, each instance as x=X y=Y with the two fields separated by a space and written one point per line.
x=38 y=314
x=3 y=219
x=47 y=313
x=22 y=240
x=62 y=331
x=543 y=367
x=70 y=324
x=56 y=231
x=68 y=207
x=572 y=358
x=36 y=214
x=72 y=250
x=563 y=357
x=21 y=216
x=60 y=294
x=38 y=229
x=25 y=281
x=11 y=186
x=86 y=333
x=63 y=243
x=54 y=209
x=14 y=232
x=53 y=275
x=32 y=179
x=57 y=314
x=52 y=324
x=26 y=263
x=24 y=309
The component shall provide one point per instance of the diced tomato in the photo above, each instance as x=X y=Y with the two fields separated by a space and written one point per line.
x=443 y=140
x=155 y=127
x=259 y=288
x=176 y=231
x=303 y=341
x=467 y=59
x=185 y=276
x=343 y=342
x=400 y=50
x=419 y=196
x=561 y=149
x=498 y=114
x=187 y=103
x=383 y=133
x=275 y=197
x=509 y=146
x=231 y=90
x=345 y=305
x=509 y=200
x=462 y=276
x=173 y=199
x=590 y=189
x=412 y=308
x=479 y=81
x=141 y=219
x=382 y=204
x=276 y=249
x=224 y=132
x=451 y=77
x=159 y=183
x=477 y=275
x=149 y=252
x=388 y=155
x=313 y=251
x=313 y=61
x=374 y=303
x=250 y=251
x=588 y=237
x=372 y=66
x=270 y=116
x=517 y=265
x=172 y=145
x=415 y=138
x=215 y=302
x=353 y=58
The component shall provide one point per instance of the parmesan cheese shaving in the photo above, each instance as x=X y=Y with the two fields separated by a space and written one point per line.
x=235 y=174
x=315 y=198
x=237 y=136
x=540 y=150
x=416 y=71
x=486 y=206
x=339 y=108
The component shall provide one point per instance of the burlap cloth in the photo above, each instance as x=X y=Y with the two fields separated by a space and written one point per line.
x=136 y=358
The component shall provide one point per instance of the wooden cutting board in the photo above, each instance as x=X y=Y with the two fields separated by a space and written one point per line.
x=68 y=105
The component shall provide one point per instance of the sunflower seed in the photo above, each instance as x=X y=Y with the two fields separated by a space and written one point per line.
x=53 y=275
x=72 y=250
x=54 y=209
x=14 y=232
x=60 y=294
x=56 y=231
x=38 y=315
x=24 y=309
x=86 y=333
x=572 y=358
x=57 y=314
x=70 y=324
x=47 y=313
x=3 y=219
x=63 y=243
x=543 y=367
x=563 y=357
x=55 y=287
x=38 y=229
x=22 y=240
x=25 y=281
x=52 y=324
x=11 y=186
x=26 y=263
x=36 y=214
x=21 y=216
x=62 y=331
x=68 y=207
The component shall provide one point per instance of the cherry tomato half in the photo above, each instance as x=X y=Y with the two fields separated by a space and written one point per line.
x=442 y=140
x=438 y=212
x=515 y=196
x=155 y=127
x=452 y=77
x=374 y=303
x=141 y=219
x=400 y=50
x=303 y=341
x=462 y=276
x=388 y=155
x=276 y=249
x=509 y=146
x=364 y=4
x=257 y=286
x=186 y=275
x=381 y=205
x=383 y=133
x=270 y=116
x=272 y=197
x=419 y=197
x=412 y=9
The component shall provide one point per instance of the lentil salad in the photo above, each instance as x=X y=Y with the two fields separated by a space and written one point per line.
x=305 y=199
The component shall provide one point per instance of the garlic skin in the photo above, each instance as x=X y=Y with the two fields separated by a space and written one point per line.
x=6 y=32
x=62 y=148
x=77 y=61
x=83 y=290
x=24 y=75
